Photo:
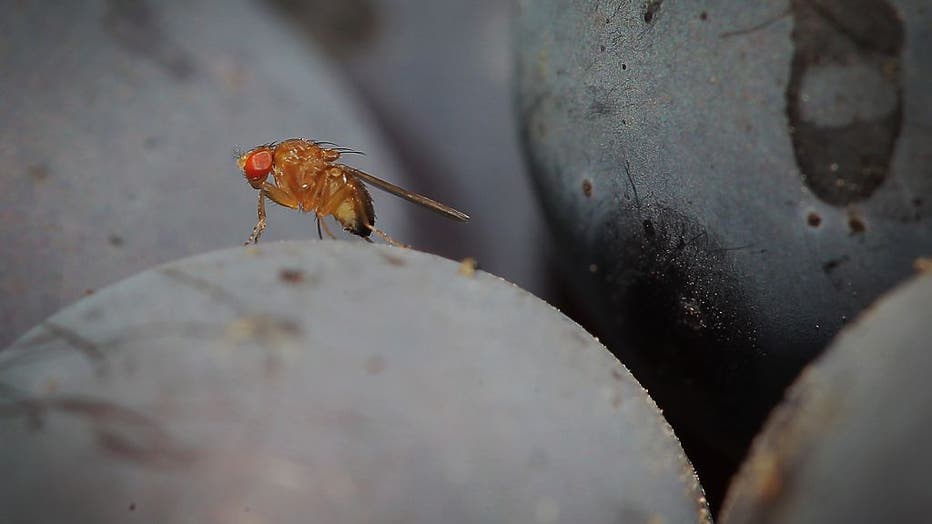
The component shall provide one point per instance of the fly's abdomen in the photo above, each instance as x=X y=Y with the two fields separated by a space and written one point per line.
x=355 y=213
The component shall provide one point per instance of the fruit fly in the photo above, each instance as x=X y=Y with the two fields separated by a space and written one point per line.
x=307 y=176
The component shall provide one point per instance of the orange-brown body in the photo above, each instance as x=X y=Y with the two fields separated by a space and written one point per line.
x=307 y=177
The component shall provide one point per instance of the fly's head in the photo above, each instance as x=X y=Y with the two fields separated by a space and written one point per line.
x=256 y=165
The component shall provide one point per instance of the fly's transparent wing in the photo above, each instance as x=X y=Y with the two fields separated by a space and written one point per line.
x=421 y=200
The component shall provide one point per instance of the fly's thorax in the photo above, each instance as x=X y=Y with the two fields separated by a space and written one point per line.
x=299 y=172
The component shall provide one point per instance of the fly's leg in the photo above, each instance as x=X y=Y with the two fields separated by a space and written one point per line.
x=320 y=221
x=333 y=201
x=385 y=236
x=260 y=225
x=329 y=204
x=279 y=196
x=315 y=195
x=322 y=198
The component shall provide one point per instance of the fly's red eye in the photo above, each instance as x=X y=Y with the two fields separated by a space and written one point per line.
x=258 y=164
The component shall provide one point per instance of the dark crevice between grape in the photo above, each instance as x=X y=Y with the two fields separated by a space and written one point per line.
x=680 y=320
